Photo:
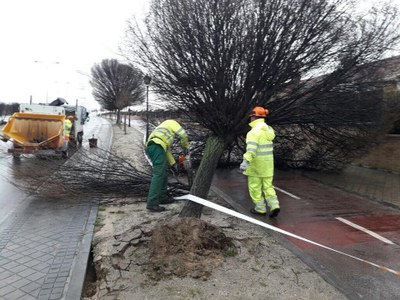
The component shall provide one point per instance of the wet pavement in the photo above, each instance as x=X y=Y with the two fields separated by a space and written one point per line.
x=45 y=243
x=39 y=246
x=322 y=214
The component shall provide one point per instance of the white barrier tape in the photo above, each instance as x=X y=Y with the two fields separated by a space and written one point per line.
x=257 y=222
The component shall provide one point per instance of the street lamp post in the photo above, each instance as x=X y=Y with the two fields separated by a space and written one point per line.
x=147 y=80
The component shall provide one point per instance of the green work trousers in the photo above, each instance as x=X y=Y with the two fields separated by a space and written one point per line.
x=159 y=179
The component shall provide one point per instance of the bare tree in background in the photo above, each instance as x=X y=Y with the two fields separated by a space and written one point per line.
x=116 y=85
x=2 y=109
x=9 y=108
x=216 y=59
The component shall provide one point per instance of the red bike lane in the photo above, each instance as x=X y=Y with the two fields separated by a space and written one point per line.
x=342 y=221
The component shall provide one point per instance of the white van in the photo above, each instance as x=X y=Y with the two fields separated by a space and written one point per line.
x=81 y=116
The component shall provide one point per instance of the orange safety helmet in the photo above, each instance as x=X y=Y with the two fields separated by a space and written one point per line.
x=259 y=111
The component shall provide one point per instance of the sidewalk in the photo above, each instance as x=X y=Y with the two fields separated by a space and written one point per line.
x=44 y=248
x=378 y=185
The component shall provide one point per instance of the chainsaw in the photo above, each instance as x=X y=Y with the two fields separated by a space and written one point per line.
x=186 y=163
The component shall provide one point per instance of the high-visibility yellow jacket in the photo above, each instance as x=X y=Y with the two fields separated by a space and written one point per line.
x=164 y=135
x=259 y=149
x=67 y=128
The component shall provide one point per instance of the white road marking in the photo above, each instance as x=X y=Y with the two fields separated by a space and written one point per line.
x=287 y=193
x=375 y=235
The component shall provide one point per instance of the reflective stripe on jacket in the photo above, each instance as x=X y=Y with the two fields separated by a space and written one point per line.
x=164 y=135
x=259 y=149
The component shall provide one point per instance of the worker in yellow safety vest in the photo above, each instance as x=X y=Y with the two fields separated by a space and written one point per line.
x=68 y=126
x=258 y=164
x=158 y=147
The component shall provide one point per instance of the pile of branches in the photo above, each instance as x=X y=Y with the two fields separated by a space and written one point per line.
x=95 y=172
x=98 y=171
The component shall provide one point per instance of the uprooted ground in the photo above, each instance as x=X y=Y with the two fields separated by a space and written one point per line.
x=142 y=255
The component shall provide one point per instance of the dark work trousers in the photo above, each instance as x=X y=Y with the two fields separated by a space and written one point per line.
x=159 y=179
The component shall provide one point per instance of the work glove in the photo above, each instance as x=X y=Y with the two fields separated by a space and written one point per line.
x=174 y=168
x=243 y=165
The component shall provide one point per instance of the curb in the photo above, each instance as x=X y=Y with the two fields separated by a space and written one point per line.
x=77 y=276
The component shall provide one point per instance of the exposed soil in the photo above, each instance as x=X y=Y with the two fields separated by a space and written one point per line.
x=187 y=247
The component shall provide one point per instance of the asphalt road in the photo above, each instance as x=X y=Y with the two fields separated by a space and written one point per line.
x=11 y=196
x=16 y=183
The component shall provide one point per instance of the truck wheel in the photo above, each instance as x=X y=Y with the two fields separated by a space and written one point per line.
x=80 y=138
x=64 y=153
x=15 y=154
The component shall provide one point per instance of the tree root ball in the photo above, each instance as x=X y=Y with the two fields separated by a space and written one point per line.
x=187 y=247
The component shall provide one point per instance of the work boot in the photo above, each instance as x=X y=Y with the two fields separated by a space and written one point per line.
x=274 y=212
x=155 y=208
x=253 y=211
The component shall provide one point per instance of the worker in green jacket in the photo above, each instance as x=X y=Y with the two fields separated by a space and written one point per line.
x=258 y=164
x=158 y=147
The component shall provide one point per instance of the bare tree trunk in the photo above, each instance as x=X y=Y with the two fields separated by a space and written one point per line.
x=202 y=182
x=118 y=121
x=125 y=123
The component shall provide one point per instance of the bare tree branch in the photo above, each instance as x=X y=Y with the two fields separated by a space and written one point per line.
x=92 y=172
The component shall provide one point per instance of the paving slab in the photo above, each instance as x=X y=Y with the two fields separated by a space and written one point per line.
x=39 y=245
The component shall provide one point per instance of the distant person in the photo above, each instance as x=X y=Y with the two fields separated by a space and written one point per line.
x=158 y=147
x=68 y=124
x=258 y=164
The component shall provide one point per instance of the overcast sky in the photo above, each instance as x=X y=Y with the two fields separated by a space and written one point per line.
x=46 y=45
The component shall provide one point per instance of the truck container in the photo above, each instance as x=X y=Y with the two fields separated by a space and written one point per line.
x=34 y=132
x=39 y=129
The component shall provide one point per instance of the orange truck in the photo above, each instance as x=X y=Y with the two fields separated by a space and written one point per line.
x=39 y=129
